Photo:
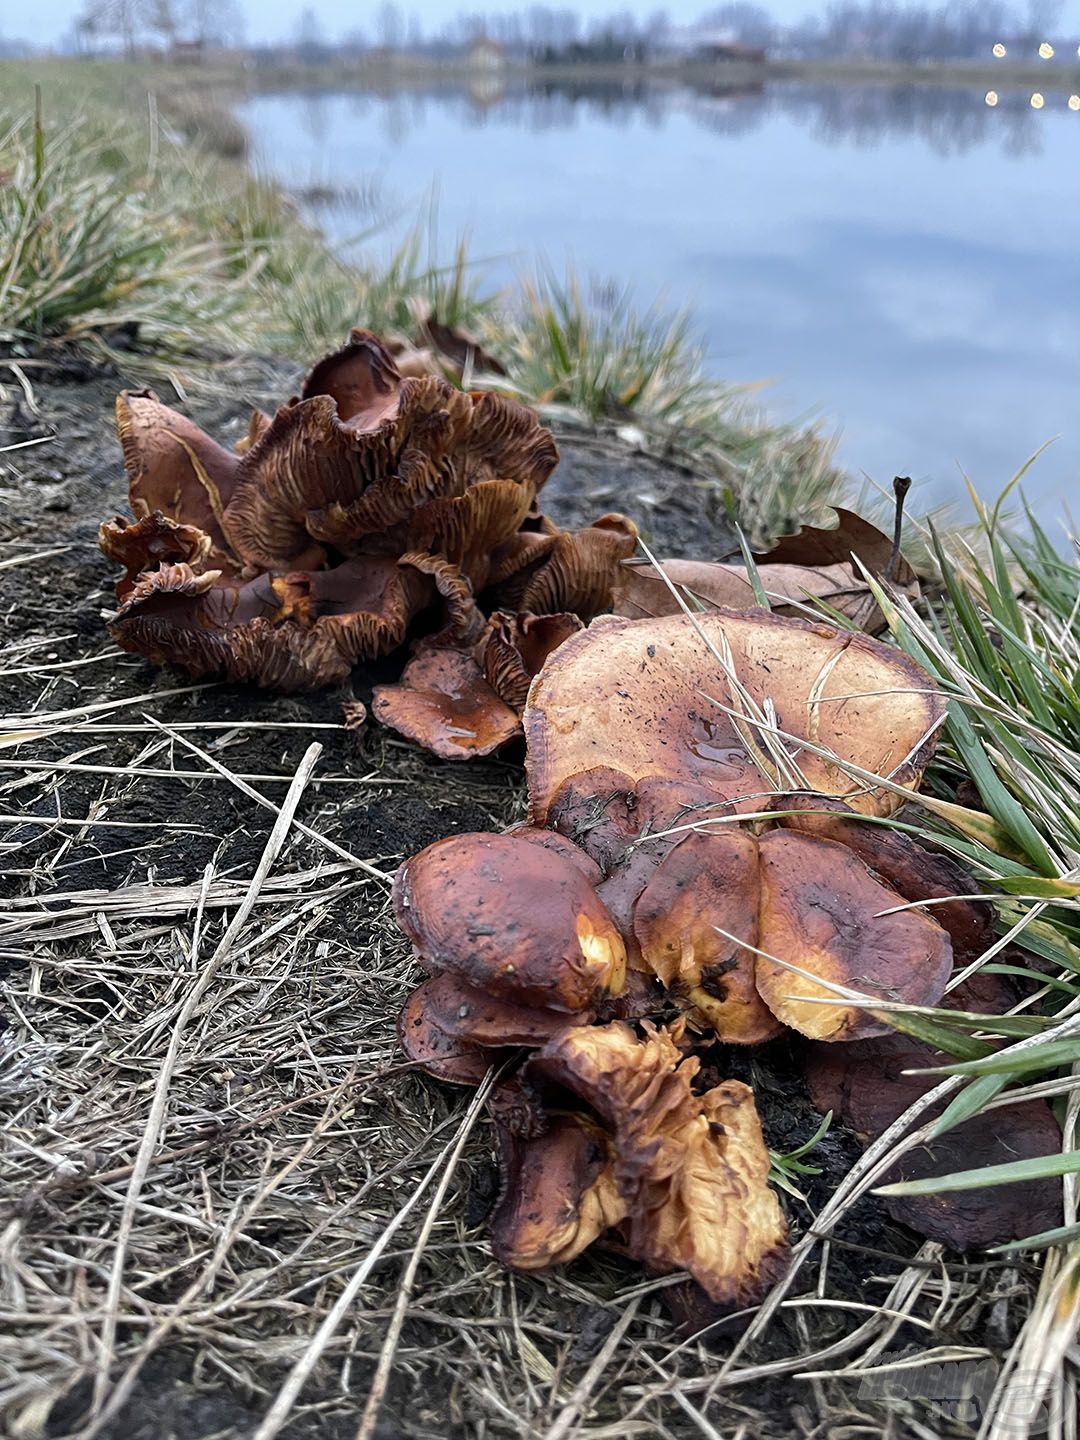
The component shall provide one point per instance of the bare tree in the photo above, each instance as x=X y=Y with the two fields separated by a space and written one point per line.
x=390 y=27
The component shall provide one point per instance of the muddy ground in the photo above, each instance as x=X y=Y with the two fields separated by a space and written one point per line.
x=467 y=1363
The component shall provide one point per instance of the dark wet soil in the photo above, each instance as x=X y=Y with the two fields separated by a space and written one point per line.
x=52 y=497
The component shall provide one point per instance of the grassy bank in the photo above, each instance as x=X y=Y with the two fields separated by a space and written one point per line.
x=136 y=230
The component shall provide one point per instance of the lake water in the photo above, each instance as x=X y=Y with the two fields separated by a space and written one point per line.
x=901 y=263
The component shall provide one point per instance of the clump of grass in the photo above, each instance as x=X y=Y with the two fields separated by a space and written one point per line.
x=90 y=252
x=595 y=352
x=1003 y=640
x=392 y=297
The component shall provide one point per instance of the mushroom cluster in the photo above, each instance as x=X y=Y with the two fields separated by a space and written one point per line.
x=700 y=865
x=371 y=507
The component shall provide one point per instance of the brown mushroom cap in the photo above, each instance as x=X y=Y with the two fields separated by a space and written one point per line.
x=708 y=884
x=576 y=573
x=362 y=380
x=865 y=1086
x=558 y=1193
x=821 y=911
x=462 y=1011
x=913 y=871
x=444 y=703
x=512 y=918
x=692 y=1170
x=636 y=695
x=447 y=1057
x=287 y=632
x=175 y=467
x=552 y=840
x=152 y=541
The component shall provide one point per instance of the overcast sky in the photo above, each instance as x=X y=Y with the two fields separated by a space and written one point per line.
x=45 y=21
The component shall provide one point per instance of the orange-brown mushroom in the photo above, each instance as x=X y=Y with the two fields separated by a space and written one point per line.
x=175 y=468
x=445 y=1056
x=691 y=1170
x=908 y=867
x=867 y=1086
x=463 y=1011
x=696 y=923
x=444 y=704
x=648 y=698
x=558 y=1193
x=372 y=501
x=823 y=919
x=512 y=918
x=459 y=703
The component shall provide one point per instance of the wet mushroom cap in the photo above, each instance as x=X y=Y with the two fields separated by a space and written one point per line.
x=558 y=1194
x=647 y=697
x=512 y=918
x=552 y=840
x=696 y=923
x=913 y=871
x=444 y=703
x=447 y=1057
x=822 y=913
x=470 y=1014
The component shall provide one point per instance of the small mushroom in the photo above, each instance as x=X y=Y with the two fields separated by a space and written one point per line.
x=459 y=703
x=704 y=893
x=287 y=632
x=176 y=468
x=444 y=704
x=463 y=1011
x=558 y=1193
x=152 y=542
x=692 y=1170
x=822 y=912
x=512 y=918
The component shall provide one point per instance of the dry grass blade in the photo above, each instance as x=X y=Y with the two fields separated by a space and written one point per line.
x=287 y=1396
x=161 y=1091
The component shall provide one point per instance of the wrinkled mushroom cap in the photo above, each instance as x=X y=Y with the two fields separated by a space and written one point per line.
x=558 y=1194
x=692 y=1170
x=512 y=918
x=637 y=696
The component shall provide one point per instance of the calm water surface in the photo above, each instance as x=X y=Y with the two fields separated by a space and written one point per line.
x=902 y=264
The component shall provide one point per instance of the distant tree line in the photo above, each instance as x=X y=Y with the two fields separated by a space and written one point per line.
x=136 y=24
x=874 y=29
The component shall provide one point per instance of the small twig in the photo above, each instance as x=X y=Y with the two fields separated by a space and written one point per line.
x=901 y=485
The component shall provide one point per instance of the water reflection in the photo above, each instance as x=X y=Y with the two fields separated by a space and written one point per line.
x=948 y=121
x=899 y=261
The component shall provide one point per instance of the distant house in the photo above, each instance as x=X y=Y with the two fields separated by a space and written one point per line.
x=188 y=52
x=728 y=52
x=486 y=54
